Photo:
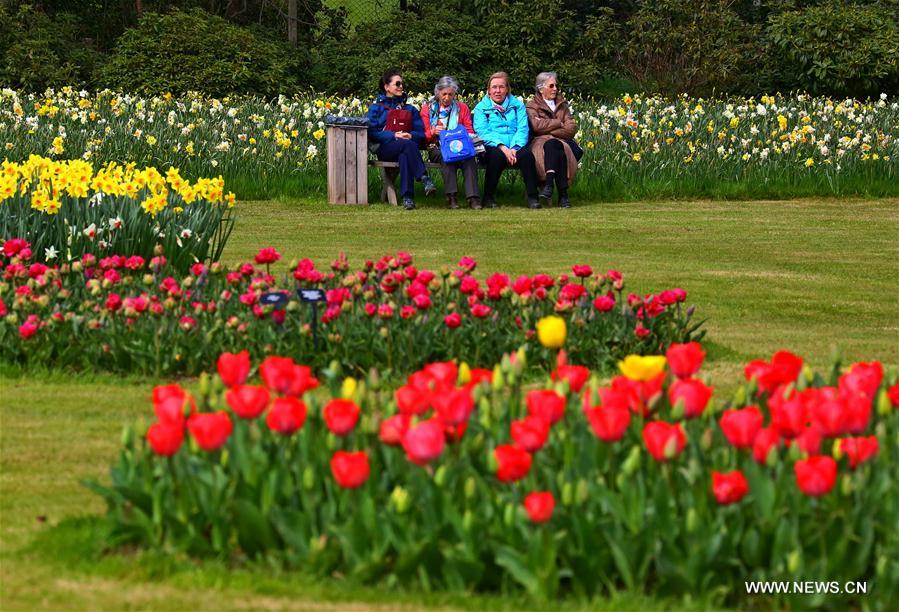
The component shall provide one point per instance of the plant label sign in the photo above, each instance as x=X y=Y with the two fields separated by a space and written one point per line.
x=311 y=295
x=274 y=298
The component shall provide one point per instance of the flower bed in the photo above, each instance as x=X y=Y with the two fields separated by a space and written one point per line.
x=65 y=209
x=133 y=314
x=463 y=479
x=685 y=145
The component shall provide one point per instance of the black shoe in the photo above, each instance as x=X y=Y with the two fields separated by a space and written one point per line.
x=430 y=187
x=451 y=201
x=489 y=202
x=564 y=202
x=547 y=193
x=408 y=204
x=533 y=203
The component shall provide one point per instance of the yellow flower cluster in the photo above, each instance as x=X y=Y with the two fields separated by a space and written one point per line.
x=44 y=182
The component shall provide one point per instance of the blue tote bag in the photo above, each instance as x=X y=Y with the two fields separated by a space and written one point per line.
x=456 y=145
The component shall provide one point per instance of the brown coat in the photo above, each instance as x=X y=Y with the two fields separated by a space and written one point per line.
x=545 y=125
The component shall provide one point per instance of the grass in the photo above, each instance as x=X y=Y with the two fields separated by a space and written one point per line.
x=807 y=275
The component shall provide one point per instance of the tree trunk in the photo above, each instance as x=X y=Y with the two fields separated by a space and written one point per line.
x=138 y=8
x=292 y=22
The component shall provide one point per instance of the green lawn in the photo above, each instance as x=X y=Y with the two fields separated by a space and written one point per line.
x=809 y=276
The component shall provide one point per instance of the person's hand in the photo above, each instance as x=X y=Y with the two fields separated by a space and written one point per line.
x=438 y=128
x=403 y=135
x=510 y=155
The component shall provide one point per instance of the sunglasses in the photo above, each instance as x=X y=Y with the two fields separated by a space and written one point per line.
x=398 y=84
x=552 y=86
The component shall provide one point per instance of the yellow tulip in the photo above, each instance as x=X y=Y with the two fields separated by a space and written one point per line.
x=348 y=389
x=636 y=367
x=551 y=331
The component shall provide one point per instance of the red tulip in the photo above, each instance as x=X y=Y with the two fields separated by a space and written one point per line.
x=893 y=395
x=684 y=360
x=609 y=422
x=766 y=440
x=663 y=440
x=740 y=426
x=283 y=376
x=287 y=415
x=788 y=415
x=540 y=506
x=809 y=441
x=393 y=429
x=693 y=393
x=341 y=416
x=452 y=320
x=170 y=401
x=210 y=429
x=453 y=406
x=641 y=394
x=816 y=475
x=444 y=374
x=858 y=450
x=513 y=462
x=783 y=369
x=729 y=487
x=165 y=438
x=530 y=433
x=412 y=400
x=576 y=376
x=857 y=411
x=248 y=401
x=268 y=255
x=424 y=442
x=862 y=378
x=546 y=404
x=234 y=369
x=829 y=415
x=582 y=270
x=350 y=470
x=454 y=433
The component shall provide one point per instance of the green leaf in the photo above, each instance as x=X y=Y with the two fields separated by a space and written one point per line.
x=254 y=532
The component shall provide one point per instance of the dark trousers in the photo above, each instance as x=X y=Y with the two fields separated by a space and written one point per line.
x=411 y=166
x=554 y=159
x=469 y=169
x=496 y=162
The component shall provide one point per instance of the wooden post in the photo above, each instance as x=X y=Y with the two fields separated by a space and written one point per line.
x=347 y=164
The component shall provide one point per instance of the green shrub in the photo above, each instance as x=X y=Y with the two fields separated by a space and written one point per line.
x=837 y=48
x=38 y=51
x=693 y=46
x=195 y=51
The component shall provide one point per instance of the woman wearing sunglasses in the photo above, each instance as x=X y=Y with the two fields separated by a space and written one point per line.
x=552 y=128
x=395 y=131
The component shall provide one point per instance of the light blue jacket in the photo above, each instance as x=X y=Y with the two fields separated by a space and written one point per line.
x=495 y=128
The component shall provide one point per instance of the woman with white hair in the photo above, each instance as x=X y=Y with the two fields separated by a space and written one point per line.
x=444 y=112
x=552 y=129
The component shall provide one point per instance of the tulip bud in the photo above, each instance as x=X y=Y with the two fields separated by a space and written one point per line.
x=128 y=436
x=484 y=412
x=793 y=560
x=331 y=442
x=464 y=373
x=440 y=476
x=795 y=452
x=800 y=384
x=521 y=357
x=808 y=374
x=632 y=463
x=470 y=488
x=505 y=363
x=308 y=478
x=225 y=456
x=467 y=521
x=706 y=440
x=509 y=515
x=884 y=407
x=677 y=412
x=740 y=396
x=400 y=499
x=621 y=481
x=491 y=462
x=567 y=494
x=846 y=485
x=148 y=279
x=692 y=520
x=348 y=388
x=753 y=386
x=374 y=380
x=498 y=381
x=204 y=384
x=837 y=450
x=582 y=492
x=384 y=332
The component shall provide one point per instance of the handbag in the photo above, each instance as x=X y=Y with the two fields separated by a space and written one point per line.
x=398 y=120
x=456 y=145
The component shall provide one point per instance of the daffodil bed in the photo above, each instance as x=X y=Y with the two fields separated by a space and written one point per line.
x=463 y=479
x=131 y=314
x=66 y=209
x=636 y=146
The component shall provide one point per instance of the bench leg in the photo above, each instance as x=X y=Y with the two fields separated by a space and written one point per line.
x=388 y=185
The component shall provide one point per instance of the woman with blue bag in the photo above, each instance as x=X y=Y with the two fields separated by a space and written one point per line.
x=448 y=132
x=501 y=120
x=395 y=131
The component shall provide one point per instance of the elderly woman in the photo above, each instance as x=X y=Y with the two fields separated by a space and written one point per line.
x=501 y=120
x=395 y=132
x=444 y=112
x=556 y=154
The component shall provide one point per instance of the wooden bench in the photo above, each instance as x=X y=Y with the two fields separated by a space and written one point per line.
x=391 y=170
